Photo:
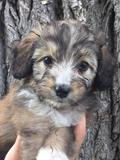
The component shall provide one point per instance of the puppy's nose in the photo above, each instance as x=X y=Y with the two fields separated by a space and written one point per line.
x=62 y=91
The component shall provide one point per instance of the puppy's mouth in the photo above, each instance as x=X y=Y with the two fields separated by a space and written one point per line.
x=58 y=104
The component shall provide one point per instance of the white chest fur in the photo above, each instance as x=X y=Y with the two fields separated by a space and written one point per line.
x=51 y=154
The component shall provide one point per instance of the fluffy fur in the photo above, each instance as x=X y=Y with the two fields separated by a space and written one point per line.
x=60 y=64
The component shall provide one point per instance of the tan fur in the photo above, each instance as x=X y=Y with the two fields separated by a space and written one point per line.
x=13 y=119
x=33 y=109
x=18 y=121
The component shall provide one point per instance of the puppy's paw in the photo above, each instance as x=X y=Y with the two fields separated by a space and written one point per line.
x=51 y=154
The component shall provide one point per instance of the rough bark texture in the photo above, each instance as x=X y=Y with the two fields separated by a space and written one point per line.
x=105 y=15
x=17 y=17
x=2 y=55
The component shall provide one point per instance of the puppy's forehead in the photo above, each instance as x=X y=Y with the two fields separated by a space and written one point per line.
x=65 y=38
x=66 y=34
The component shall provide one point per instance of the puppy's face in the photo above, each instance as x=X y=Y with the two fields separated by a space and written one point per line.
x=63 y=59
x=63 y=75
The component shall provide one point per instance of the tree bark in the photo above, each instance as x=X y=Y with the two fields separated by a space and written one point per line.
x=17 y=17
x=2 y=54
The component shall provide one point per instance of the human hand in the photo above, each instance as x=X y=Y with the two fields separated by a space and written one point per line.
x=14 y=152
x=80 y=130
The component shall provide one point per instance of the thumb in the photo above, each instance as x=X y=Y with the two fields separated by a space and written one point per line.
x=14 y=152
x=80 y=130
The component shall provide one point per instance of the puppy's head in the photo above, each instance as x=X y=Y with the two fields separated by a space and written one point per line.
x=65 y=60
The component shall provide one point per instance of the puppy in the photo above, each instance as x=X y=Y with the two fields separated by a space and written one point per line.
x=59 y=65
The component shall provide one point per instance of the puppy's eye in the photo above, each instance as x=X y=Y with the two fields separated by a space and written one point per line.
x=83 y=66
x=48 y=61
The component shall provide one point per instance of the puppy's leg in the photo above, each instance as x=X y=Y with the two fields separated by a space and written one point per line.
x=33 y=136
x=7 y=130
x=30 y=146
x=58 y=146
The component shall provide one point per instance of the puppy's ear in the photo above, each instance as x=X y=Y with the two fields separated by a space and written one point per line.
x=104 y=76
x=22 y=56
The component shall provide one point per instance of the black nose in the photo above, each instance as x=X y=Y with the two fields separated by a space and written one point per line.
x=62 y=91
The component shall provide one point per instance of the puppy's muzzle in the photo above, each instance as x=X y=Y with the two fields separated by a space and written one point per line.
x=62 y=91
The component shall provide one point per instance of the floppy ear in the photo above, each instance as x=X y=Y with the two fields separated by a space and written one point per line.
x=22 y=56
x=104 y=76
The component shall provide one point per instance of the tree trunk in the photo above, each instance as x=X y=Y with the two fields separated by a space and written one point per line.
x=17 y=17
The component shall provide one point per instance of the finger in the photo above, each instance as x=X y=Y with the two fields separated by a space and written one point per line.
x=14 y=152
x=80 y=130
